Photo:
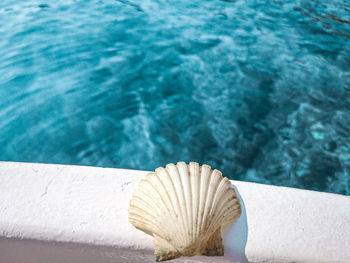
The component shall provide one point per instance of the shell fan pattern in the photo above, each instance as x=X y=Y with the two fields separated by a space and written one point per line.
x=184 y=208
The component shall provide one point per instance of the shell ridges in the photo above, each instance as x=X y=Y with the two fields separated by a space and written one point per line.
x=184 y=207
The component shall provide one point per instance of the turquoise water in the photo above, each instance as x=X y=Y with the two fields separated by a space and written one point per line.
x=257 y=89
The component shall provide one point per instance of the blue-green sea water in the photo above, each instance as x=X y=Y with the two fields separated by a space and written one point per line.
x=258 y=89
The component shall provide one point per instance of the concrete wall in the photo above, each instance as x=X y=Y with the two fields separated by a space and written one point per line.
x=50 y=213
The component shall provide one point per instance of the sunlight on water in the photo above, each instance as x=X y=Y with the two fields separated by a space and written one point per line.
x=257 y=89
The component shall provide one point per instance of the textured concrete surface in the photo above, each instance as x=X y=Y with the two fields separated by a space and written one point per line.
x=77 y=211
x=13 y=250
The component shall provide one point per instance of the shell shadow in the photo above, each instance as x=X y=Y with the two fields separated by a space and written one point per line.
x=236 y=235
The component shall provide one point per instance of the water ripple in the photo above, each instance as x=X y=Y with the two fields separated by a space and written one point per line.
x=259 y=89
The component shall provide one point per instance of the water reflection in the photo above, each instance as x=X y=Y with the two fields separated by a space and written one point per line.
x=330 y=21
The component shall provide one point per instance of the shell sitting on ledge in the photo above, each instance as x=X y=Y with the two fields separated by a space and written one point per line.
x=184 y=208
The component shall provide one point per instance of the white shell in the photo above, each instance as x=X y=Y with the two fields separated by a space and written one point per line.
x=184 y=208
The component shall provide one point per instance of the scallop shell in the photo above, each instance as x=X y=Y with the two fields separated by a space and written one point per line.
x=184 y=208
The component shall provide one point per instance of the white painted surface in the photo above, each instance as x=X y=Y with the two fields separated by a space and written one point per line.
x=88 y=205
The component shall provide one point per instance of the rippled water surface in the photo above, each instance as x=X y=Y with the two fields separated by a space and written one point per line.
x=257 y=89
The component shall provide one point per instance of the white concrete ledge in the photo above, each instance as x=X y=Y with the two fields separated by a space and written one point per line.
x=74 y=212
